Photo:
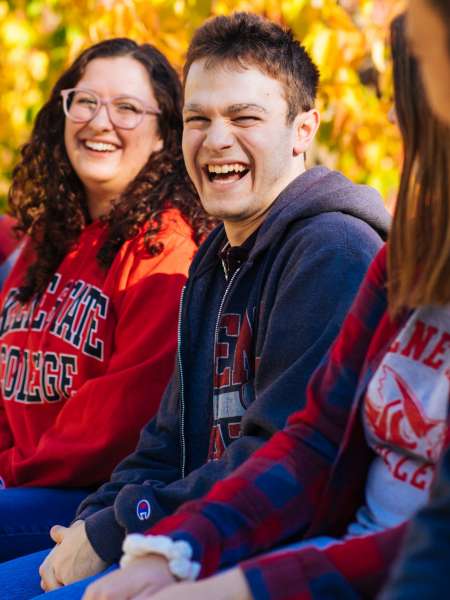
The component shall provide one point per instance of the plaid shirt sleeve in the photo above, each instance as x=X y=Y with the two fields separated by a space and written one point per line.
x=274 y=494
x=350 y=569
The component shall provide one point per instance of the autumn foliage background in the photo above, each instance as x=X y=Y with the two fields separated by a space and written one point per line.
x=347 y=39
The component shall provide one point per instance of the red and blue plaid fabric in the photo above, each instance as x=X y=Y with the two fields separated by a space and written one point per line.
x=308 y=480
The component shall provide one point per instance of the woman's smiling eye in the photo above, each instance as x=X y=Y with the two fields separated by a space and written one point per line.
x=83 y=100
x=126 y=107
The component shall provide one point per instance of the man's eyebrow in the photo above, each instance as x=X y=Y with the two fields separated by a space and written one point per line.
x=232 y=109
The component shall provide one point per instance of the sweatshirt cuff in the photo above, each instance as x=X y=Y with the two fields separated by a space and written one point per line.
x=83 y=515
x=105 y=535
x=199 y=532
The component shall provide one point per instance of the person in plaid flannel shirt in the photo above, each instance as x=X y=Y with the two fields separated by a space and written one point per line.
x=355 y=464
x=422 y=568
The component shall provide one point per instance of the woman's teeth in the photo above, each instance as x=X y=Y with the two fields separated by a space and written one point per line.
x=100 y=146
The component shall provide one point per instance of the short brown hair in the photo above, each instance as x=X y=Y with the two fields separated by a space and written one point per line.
x=248 y=39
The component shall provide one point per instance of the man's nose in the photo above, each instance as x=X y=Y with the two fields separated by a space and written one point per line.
x=218 y=136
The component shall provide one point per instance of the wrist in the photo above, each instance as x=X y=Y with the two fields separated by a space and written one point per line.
x=105 y=535
x=178 y=554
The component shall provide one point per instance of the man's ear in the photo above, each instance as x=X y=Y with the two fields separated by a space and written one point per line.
x=305 y=126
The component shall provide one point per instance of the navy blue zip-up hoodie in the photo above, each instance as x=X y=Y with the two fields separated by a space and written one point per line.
x=247 y=348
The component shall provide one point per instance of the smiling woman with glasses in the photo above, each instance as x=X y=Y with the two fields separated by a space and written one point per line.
x=88 y=316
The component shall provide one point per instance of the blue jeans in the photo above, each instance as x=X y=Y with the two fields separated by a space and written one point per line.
x=26 y=515
x=20 y=580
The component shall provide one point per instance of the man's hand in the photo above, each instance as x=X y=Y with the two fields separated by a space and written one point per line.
x=231 y=585
x=140 y=579
x=73 y=558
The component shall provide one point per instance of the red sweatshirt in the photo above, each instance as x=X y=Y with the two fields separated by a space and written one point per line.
x=84 y=368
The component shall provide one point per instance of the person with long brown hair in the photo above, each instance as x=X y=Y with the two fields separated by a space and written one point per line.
x=88 y=316
x=350 y=469
x=422 y=569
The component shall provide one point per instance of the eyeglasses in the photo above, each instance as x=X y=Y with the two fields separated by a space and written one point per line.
x=125 y=112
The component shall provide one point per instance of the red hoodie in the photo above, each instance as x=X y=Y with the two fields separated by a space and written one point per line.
x=84 y=368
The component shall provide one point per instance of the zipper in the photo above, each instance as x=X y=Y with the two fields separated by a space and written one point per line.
x=181 y=381
x=180 y=366
x=224 y=266
x=219 y=314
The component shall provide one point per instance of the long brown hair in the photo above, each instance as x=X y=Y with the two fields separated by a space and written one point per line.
x=48 y=198
x=419 y=243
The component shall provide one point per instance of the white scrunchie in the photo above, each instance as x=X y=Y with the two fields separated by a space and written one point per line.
x=178 y=553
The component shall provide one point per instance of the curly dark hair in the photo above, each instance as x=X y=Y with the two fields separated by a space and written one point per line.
x=48 y=198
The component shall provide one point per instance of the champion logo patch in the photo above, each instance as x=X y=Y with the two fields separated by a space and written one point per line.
x=143 y=510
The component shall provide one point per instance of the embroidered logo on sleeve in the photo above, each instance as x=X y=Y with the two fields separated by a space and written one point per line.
x=143 y=510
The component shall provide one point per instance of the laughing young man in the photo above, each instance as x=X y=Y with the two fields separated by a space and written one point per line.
x=266 y=295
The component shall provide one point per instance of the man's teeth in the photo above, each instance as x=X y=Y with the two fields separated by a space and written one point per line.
x=232 y=167
x=100 y=146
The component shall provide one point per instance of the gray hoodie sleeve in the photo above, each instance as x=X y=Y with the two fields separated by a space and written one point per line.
x=303 y=314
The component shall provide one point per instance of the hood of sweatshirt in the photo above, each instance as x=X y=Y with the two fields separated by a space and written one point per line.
x=318 y=190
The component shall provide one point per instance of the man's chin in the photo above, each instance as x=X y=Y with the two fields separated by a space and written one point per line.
x=227 y=210
x=228 y=216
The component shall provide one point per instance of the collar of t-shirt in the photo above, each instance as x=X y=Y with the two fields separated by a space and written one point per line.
x=232 y=257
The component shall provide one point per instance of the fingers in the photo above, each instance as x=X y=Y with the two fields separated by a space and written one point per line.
x=48 y=578
x=144 y=577
x=112 y=587
x=99 y=592
x=47 y=573
x=57 y=533
x=176 y=591
x=50 y=585
x=146 y=595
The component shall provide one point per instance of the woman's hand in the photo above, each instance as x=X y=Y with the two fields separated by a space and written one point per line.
x=141 y=579
x=231 y=585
